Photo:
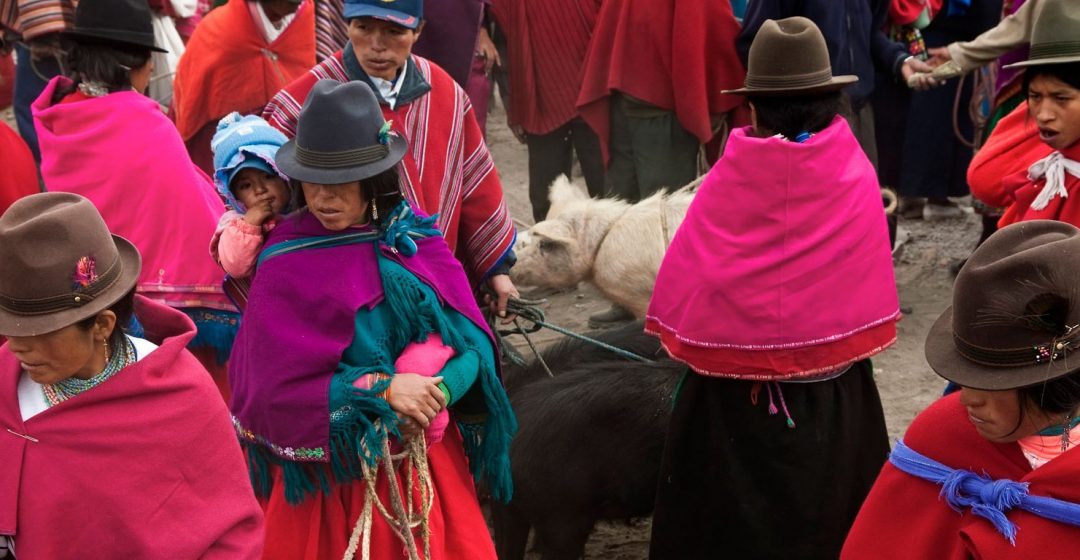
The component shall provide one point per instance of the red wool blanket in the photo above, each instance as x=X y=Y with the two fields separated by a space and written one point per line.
x=228 y=65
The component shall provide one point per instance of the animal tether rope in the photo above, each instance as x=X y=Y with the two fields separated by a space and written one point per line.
x=406 y=515
x=529 y=311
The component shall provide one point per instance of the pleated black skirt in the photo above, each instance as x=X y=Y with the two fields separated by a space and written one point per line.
x=737 y=482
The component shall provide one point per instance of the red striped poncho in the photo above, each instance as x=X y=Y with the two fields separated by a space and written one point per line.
x=547 y=41
x=447 y=168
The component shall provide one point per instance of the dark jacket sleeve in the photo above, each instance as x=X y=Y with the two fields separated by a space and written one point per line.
x=888 y=55
x=757 y=11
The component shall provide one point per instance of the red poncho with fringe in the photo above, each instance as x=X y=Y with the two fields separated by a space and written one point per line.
x=145 y=465
x=675 y=54
x=547 y=44
x=905 y=517
x=447 y=170
x=229 y=66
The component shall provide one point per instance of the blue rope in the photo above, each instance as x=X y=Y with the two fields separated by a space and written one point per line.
x=986 y=497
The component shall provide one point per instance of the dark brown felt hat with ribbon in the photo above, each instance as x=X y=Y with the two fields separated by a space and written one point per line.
x=789 y=57
x=1015 y=318
x=60 y=265
x=341 y=137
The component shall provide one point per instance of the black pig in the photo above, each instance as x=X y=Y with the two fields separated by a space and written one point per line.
x=589 y=442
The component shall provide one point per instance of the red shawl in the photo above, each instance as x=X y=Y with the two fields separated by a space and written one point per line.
x=547 y=41
x=228 y=65
x=904 y=516
x=145 y=465
x=1011 y=149
x=18 y=174
x=447 y=169
x=905 y=12
x=675 y=54
x=1022 y=191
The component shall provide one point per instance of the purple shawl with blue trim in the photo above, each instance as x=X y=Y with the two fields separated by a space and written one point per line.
x=300 y=319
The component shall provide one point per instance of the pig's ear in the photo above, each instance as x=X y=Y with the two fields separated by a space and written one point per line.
x=549 y=235
x=562 y=190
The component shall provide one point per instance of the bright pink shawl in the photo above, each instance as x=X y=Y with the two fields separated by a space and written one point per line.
x=782 y=268
x=145 y=465
x=124 y=154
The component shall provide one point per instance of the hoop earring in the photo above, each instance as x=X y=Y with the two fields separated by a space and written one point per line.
x=1065 y=427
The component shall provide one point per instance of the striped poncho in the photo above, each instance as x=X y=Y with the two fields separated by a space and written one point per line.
x=447 y=169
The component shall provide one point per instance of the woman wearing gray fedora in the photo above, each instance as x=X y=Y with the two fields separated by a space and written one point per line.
x=991 y=471
x=339 y=439
x=111 y=445
x=777 y=289
x=448 y=170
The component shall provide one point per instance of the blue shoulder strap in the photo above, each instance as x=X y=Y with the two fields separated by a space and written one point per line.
x=987 y=498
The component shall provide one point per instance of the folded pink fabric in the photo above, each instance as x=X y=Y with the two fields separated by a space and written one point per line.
x=427 y=358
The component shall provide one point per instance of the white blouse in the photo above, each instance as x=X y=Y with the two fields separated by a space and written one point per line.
x=32 y=398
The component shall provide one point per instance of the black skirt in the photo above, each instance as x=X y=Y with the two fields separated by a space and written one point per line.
x=737 y=482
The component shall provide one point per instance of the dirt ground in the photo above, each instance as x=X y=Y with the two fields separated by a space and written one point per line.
x=906 y=383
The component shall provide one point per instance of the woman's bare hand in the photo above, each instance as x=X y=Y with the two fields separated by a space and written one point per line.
x=416 y=397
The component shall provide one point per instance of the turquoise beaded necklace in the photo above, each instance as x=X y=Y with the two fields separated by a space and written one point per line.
x=61 y=391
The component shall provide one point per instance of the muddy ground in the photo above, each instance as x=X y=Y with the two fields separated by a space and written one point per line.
x=906 y=383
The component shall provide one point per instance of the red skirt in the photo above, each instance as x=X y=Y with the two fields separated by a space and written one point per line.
x=320 y=527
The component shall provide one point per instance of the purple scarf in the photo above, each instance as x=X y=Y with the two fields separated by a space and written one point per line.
x=300 y=319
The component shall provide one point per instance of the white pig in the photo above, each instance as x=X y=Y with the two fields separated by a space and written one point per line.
x=616 y=246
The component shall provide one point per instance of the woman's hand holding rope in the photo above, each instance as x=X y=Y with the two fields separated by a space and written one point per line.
x=416 y=399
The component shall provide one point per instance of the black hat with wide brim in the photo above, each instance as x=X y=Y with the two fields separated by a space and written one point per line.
x=121 y=23
x=340 y=137
x=1014 y=321
x=789 y=57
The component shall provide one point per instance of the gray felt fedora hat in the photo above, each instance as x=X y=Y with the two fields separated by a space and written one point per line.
x=1015 y=318
x=789 y=57
x=60 y=264
x=341 y=137
x=1055 y=37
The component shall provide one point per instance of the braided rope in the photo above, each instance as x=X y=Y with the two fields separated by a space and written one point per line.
x=403 y=519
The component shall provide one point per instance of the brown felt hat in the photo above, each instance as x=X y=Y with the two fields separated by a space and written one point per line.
x=789 y=57
x=1055 y=36
x=60 y=264
x=1015 y=318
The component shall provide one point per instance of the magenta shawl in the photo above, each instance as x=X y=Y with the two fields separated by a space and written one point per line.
x=300 y=318
x=124 y=154
x=145 y=465
x=782 y=261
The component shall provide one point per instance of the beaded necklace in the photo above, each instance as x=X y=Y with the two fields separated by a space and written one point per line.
x=61 y=391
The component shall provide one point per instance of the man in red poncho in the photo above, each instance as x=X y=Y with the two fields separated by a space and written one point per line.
x=238 y=58
x=652 y=83
x=448 y=169
x=547 y=42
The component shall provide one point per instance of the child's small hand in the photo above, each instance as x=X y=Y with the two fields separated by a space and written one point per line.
x=261 y=211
